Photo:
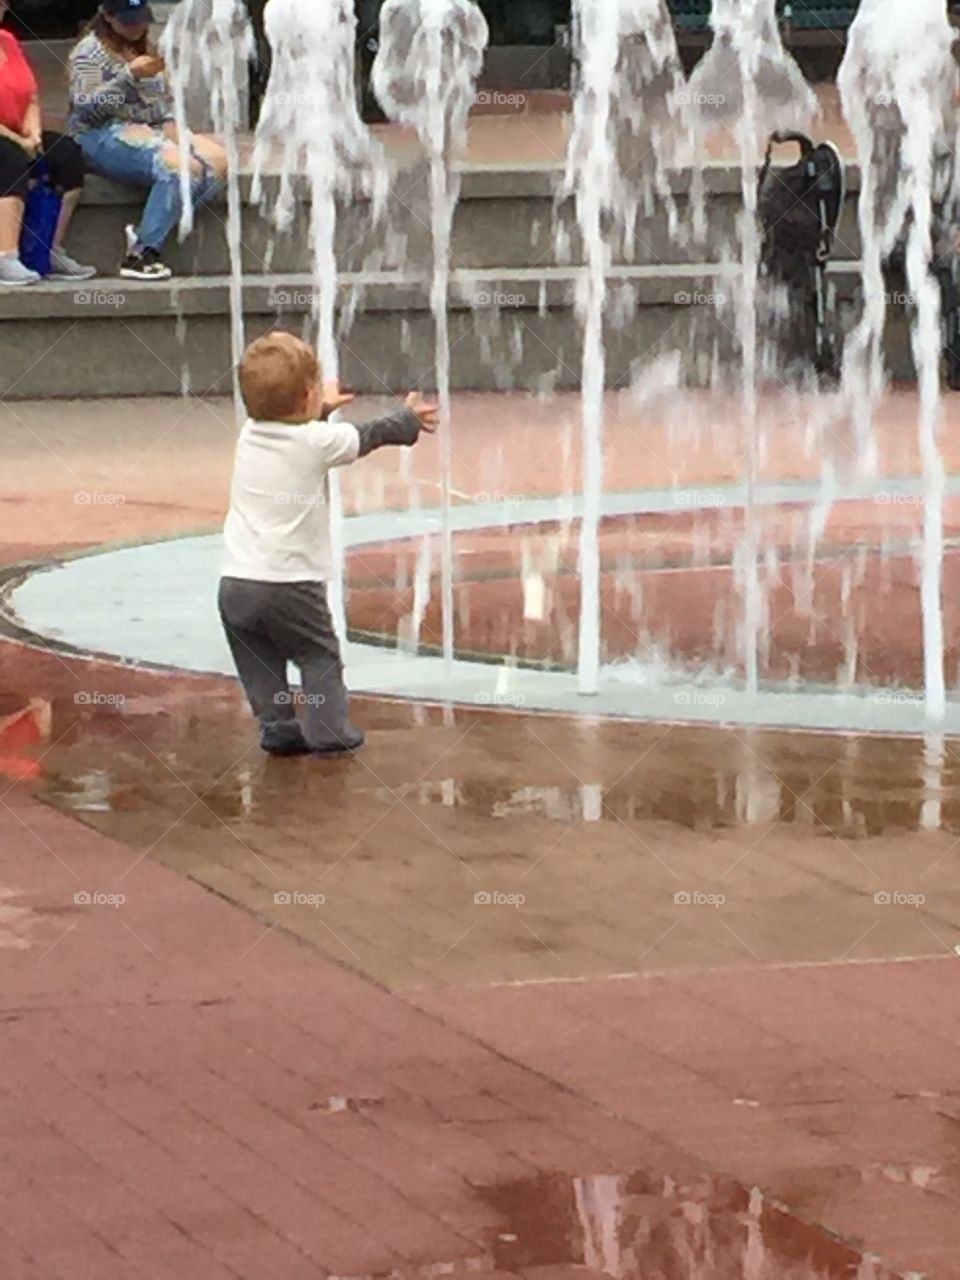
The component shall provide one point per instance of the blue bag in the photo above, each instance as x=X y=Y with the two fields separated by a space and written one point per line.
x=40 y=217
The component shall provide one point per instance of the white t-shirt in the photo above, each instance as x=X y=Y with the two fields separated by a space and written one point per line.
x=278 y=527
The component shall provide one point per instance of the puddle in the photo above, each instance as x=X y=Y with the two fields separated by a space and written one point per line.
x=17 y=924
x=644 y=1226
x=481 y=846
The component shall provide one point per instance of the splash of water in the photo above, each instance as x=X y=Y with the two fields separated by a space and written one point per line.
x=431 y=54
x=211 y=42
x=749 y=81
x=621 y=147
x=746 y=79
x=897 y=84
x=311 y=134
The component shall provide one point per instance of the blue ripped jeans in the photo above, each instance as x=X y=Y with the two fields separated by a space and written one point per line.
x=116 y=152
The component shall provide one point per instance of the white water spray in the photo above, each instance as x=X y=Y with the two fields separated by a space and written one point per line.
x=621 y=147
x=431 y=53
x=311 y=127
x=898 y=82
x=747 y=80
x=210 y=42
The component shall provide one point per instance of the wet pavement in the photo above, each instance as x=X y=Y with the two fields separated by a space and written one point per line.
x=659 y=1226
x=486 y=845
x=491 y=846
x=544 y=953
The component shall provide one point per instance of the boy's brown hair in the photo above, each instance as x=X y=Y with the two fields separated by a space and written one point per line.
x=276 y=375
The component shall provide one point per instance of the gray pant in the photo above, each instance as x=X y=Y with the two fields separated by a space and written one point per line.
x=270 y=624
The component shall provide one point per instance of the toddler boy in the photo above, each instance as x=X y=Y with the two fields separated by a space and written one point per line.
x=273 y=595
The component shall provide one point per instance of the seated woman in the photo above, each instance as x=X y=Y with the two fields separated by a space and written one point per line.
x=121 y=115
x=22 y=144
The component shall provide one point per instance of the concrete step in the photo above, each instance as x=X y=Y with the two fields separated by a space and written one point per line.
x=506 y=218
x=509 y=329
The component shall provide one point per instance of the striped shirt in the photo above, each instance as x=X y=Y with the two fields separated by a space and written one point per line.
x=104 y=91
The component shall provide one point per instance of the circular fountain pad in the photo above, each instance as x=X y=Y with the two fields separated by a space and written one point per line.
x=156 y=604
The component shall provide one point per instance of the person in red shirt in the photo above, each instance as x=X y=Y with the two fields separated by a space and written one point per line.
x=23 y=142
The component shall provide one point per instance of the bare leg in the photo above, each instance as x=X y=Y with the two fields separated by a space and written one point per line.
x=205 y=147
x=67 y=210
x=11 y=222
x=211 y=151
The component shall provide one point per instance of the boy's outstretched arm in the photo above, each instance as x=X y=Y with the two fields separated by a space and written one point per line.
x=402 y=427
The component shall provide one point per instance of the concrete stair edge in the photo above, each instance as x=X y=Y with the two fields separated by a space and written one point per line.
x=479 y=182
x=485 y=289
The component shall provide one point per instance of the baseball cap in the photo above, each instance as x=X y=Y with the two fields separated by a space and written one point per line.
x=133 y=12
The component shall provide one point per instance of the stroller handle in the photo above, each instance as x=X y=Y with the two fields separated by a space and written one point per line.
x=801 y=139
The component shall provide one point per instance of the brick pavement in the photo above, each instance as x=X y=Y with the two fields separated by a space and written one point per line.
x=171 y=1069
x=189 y=1086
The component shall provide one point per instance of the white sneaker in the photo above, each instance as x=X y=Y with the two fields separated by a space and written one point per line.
x=13 y=274
x=63 y=267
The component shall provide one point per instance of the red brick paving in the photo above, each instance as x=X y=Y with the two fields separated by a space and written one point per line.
x=833 y=1086
x=167 y=1068
x=166 y=1073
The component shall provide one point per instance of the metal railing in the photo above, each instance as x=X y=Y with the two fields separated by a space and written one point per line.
x=798 y=15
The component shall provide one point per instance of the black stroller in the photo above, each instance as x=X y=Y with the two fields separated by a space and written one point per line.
x=799 y=209
x=945 y=267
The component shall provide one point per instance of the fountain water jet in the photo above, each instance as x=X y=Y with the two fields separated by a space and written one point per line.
x=746 y=76
x=748 y=80
x=898 y=82
x=621 y=147
x=431 y=53
x=212 y=41
x=310 y=122
x=612 y=112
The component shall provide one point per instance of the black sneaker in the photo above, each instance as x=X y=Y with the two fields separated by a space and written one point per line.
x=146 y=265
x=348 y=740
x=285 y=739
